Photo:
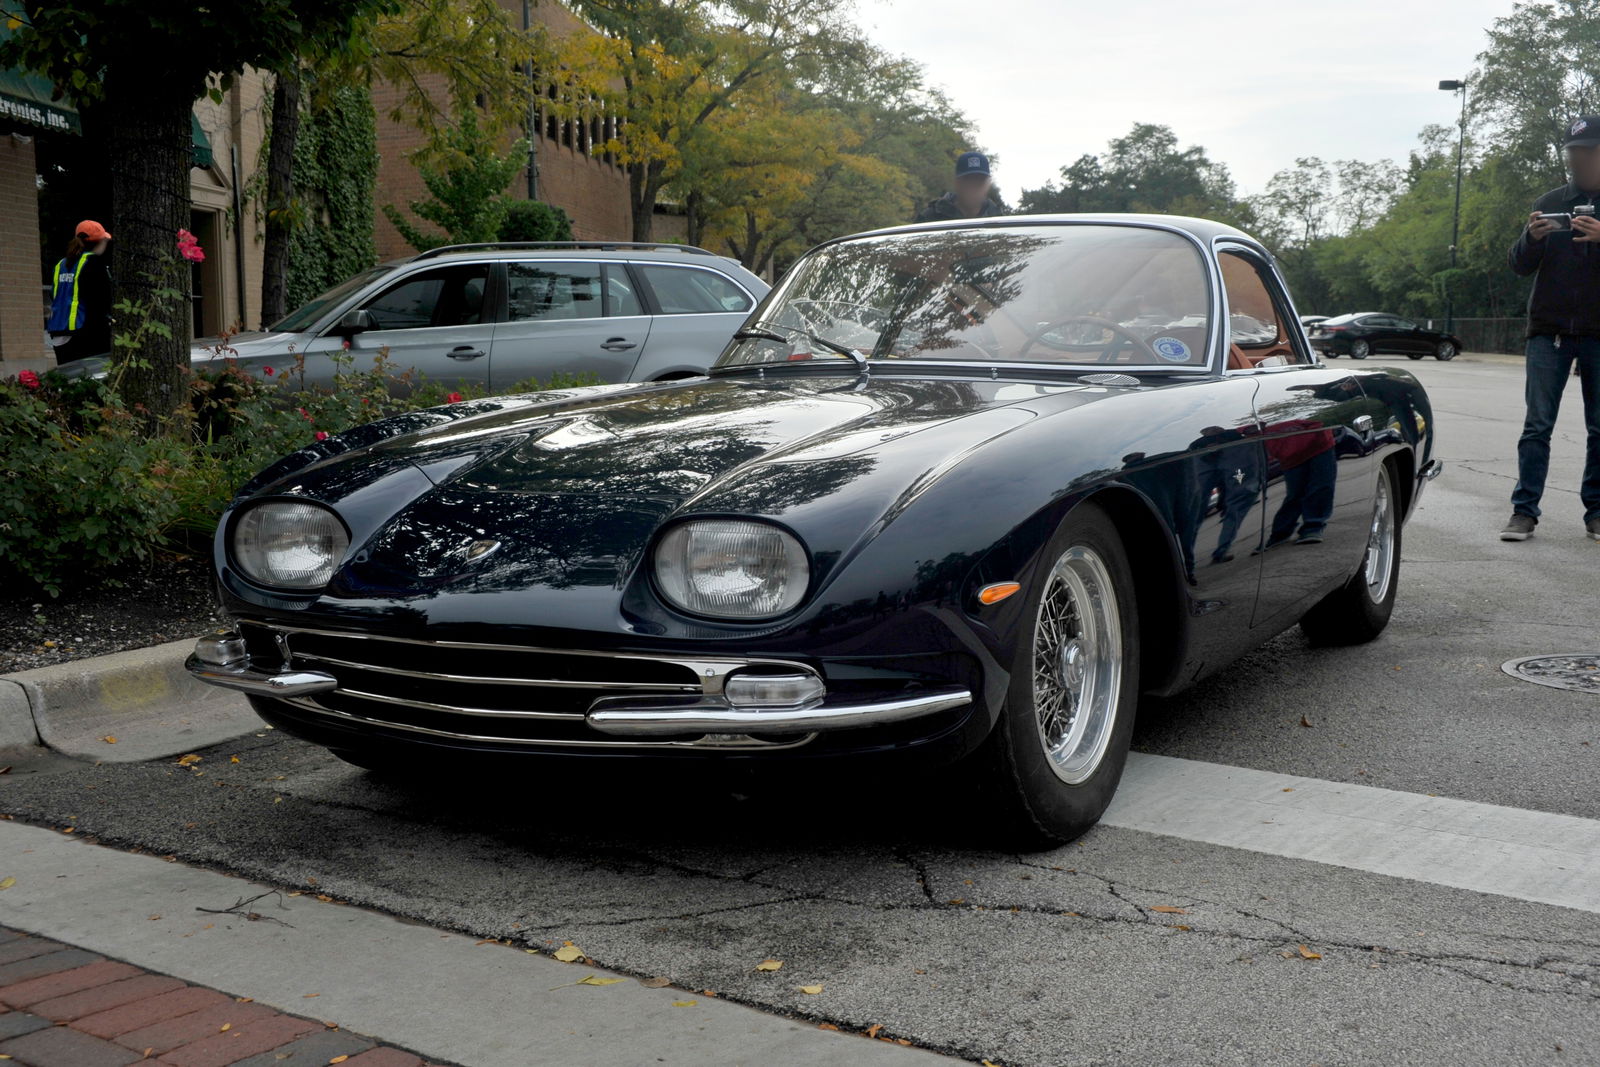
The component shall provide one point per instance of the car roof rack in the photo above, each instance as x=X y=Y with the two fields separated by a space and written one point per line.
x=594 y=246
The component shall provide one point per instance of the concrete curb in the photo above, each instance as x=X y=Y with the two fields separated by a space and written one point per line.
x=143 y=698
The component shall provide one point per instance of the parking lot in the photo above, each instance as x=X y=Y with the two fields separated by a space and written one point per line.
x=1262 y=891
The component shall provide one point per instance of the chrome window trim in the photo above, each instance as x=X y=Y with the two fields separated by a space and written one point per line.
x=1260 y=257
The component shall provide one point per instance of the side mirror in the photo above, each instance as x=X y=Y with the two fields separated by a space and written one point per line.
x=354 y=322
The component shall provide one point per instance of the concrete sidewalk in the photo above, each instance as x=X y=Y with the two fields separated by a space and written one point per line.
x=447 y=997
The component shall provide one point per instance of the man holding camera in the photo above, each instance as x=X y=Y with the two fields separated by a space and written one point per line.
x=1561 y=247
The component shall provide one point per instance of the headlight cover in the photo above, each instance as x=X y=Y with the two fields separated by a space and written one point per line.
x=289 y=545
x=732 y=569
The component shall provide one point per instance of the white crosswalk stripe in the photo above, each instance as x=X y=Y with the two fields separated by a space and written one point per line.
x=1530 y=855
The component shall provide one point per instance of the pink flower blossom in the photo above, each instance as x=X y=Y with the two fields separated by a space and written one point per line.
x=189 y=247
x=322 y=435
x=267 y=371
x=347 y=344
x=304 y=414
x=28 y=379
x=454 y=398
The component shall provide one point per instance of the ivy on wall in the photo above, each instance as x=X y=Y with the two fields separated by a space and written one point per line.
x=335 y=171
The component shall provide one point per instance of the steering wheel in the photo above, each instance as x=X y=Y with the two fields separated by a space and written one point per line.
x=1106 y=356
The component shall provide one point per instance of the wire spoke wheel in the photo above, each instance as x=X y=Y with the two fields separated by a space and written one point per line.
x=1379 y=567
x=1077 y=664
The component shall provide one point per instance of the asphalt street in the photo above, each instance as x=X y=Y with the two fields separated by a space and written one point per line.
x=1128 y=947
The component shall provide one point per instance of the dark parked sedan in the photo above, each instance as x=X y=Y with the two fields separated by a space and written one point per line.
x=1363 y=333
x=956 y=494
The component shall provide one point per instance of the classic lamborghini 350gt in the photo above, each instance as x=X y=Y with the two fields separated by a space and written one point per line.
x=957 y=492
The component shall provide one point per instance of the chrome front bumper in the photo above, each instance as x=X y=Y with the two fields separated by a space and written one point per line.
x=221 y=660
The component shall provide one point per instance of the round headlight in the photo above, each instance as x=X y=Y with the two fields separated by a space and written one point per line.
x=289 y=545
x=732 y=569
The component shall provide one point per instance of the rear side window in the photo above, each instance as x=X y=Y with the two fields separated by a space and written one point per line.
x=445 y=296
x=551 y=290
x=692 y=290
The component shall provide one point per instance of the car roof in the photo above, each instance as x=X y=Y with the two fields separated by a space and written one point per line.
x=636 y=250
x=1205 y=230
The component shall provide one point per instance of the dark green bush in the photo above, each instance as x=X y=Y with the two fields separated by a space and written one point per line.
x=85 y=491
x=534 y=220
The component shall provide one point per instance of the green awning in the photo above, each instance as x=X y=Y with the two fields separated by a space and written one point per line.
x=200 y=154
x=26 y=98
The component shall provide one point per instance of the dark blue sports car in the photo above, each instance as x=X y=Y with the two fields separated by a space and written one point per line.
x=957 y=492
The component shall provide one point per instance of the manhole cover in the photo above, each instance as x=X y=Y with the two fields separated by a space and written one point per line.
x=1572 y=670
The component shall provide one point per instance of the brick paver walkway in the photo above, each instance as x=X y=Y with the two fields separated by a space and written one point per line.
x=61 y=1006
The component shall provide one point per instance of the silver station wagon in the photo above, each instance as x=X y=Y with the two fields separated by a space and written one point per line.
x=492 y=315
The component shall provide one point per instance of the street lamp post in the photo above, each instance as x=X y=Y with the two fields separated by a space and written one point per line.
x=1453 y=86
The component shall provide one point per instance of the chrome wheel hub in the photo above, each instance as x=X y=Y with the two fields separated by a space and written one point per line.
x=1379 y=565
x=1077 y=664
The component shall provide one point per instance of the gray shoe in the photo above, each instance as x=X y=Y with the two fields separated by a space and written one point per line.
x=1520 y=528
x=1593 y=526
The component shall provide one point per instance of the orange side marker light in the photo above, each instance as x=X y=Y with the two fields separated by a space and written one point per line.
x=993 y=594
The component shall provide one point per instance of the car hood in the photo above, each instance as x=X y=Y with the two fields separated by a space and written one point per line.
x=569 y=494
x=246 y=345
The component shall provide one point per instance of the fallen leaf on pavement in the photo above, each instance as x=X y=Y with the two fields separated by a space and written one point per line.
x=153 y=918
x=7 y=882
x=224 y=1028
x=684 y=1003
x=569 y=953
x=339 y=1059
x=243 y=1000
x=872 y=1031
x=1168 y=909
x=1305 y=721
x=656 y=983
x=811 y=990
x=108 y=739
x=1307 y=953
x=188 y=761
x=595 y=979
x=308 y=996
x=827 y=1026
x=769 y=965
x=233 y=759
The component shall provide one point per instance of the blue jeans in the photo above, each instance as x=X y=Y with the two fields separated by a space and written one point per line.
x=1549 y=367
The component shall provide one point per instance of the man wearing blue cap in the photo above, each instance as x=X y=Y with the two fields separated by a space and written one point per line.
x=970 y=200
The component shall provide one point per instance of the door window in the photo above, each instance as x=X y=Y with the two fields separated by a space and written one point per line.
x=446 y=296
x=545 y=291
x=693 y=290
x=1256 y=313
x=621 y=296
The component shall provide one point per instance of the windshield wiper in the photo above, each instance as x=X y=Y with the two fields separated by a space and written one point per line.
x=758 y=333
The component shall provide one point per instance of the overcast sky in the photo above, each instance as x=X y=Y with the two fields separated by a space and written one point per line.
x=1255 y=83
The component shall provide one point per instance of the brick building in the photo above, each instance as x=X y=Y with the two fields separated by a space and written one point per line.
x=591 y=188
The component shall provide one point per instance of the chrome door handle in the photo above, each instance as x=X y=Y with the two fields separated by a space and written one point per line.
x=465 y=352
x=617 y=344
x=1362 y=423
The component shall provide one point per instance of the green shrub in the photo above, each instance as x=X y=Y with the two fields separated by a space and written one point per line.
x=86 y=491
x=534 y=220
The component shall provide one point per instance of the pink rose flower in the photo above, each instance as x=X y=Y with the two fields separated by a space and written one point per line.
x=189 y=247
x=28 y=379
x=454 y=398
x=322 y=435
x=267 y=371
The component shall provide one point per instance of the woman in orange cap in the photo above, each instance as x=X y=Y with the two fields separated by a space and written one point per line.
x=80 y=296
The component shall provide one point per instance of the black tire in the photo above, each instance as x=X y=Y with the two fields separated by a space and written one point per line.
x=1445 y=351
x=1360 y=349
x=1415 y=355
x=1035 y=805
x=1359 y=610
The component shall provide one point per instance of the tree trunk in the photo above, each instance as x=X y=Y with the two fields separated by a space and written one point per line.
x=150 y=158
x=644 y=185
x=693 y=216
x=280 y=196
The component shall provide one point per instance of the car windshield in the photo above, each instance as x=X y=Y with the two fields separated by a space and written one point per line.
x=306 y=316
x=1065 y=294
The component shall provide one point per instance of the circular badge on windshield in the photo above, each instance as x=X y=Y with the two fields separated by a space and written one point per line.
x=1171 y=349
